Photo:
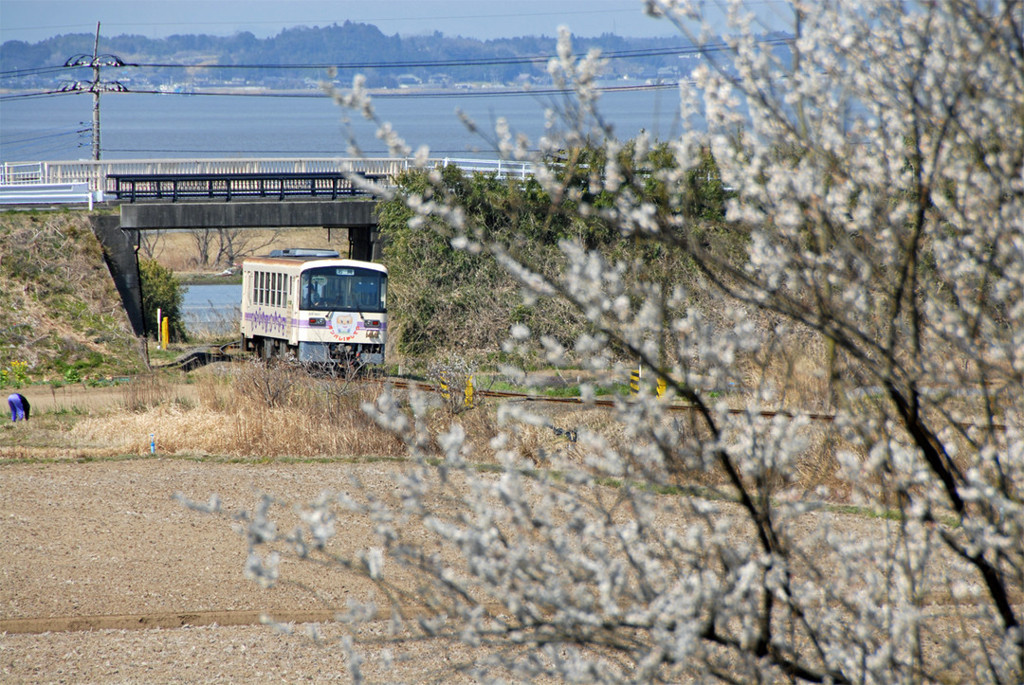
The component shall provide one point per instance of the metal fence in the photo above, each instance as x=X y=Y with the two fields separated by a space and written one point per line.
x=97 y=173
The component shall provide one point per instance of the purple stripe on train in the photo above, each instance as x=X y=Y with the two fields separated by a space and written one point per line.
x=271 y=322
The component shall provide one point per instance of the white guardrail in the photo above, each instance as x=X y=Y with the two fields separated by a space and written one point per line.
x=85 y=181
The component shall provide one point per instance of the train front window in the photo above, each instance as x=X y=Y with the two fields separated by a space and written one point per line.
x=344 y=288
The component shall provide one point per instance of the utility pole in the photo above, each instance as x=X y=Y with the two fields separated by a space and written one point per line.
x=96 y=86
x=96 y=95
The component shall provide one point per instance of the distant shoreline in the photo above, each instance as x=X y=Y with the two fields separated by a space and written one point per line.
x=420 y=91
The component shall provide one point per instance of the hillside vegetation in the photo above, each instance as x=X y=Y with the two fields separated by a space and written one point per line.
x=60 y=314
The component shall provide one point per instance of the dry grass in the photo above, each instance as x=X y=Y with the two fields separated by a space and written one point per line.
x=258 y=412
x=178 y=250
x=279 y=411
x=146 y=391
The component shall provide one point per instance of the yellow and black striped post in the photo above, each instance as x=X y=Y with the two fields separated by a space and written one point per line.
x=444 y=388
x=634 y=381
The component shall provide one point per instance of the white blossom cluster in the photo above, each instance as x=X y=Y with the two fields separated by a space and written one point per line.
x=878 y=169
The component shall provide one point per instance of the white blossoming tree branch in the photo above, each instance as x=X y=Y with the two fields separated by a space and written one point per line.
x=878 y=169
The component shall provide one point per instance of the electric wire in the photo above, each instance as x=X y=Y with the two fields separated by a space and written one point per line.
x=382 y=95
x=32 y=71
x=470 y=62
x=45 y=136
x=411 y=64
x=41 y=94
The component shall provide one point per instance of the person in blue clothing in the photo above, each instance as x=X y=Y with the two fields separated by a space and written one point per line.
x=19 y=407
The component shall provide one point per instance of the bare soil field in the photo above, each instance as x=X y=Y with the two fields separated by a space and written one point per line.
x=105 y=578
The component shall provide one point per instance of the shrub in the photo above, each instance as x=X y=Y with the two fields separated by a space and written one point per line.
x=161 y=291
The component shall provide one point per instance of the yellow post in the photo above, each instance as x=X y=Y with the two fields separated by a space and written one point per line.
x=469 y=392
x=661 y=387
x=165 y=332
x=634 y=381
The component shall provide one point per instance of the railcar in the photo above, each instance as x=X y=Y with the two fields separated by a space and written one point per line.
x=314 y=306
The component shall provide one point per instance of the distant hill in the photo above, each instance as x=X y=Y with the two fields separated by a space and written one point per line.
x=276 y=62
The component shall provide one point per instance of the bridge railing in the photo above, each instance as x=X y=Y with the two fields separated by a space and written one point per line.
x=262 y=185
x=20 y=173
x=98 y=174
x=502 y=167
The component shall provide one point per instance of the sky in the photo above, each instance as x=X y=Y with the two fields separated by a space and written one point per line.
x=35 y=20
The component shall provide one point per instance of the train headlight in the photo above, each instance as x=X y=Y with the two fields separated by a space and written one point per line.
x=372 y=335
x=317 y=321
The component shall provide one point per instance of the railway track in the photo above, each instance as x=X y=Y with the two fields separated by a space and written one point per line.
x=223 y=353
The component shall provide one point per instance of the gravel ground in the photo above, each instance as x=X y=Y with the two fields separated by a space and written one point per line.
x=105 y=578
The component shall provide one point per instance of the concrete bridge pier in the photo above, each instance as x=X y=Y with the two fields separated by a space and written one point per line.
x=120 y=251
x=364 y=244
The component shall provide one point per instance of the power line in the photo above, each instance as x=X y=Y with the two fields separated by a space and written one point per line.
x=470 y=62
x=32 y=71
x=42 y=94
x=383 y=95
x=414 y=94
x=113 y=61
x=45 y=136
x=44 y=143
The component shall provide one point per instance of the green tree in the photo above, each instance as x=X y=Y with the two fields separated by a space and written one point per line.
x=161 y=290
x=445 y=296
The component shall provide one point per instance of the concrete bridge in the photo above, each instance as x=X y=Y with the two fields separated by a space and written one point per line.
x=331 y=193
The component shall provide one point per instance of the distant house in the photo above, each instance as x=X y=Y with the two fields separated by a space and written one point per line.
x=440 y=80
x=408 y=81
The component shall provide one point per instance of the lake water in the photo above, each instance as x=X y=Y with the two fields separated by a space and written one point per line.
x=139 y=126
x=212 y=309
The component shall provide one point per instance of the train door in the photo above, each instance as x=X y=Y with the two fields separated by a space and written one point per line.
x=290 y=310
